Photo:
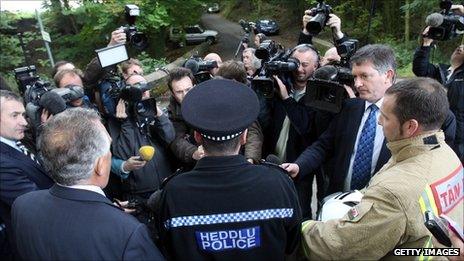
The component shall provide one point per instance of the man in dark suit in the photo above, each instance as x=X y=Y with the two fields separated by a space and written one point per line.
x=353 y=140
x=74 y=219
x=19 y=171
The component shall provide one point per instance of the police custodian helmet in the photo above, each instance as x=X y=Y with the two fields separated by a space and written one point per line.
x=220 y=109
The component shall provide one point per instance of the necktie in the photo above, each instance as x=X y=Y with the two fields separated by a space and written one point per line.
x=27 y=152
x=363 y=158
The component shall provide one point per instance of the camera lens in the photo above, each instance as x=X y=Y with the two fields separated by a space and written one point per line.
x=316 y=24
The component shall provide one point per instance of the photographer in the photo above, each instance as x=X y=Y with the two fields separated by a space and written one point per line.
x=354 y=142
x=250 y=61
x=293 y=127
x=180 y=82
x=333 y=22
x=252 y=150
x=214 y=57
x=451 y=76
x=72 y=79
x=139 y=123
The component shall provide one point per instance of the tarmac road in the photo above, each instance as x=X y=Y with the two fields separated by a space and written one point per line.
x=230 y=34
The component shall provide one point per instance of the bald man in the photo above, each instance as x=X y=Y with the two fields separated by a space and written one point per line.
x=214 y=57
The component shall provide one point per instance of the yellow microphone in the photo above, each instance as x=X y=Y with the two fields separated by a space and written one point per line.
x=146 y=153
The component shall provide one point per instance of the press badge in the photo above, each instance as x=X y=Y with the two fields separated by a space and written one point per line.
x=215 y=241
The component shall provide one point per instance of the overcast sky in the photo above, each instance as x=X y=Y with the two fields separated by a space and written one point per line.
x=20 y=5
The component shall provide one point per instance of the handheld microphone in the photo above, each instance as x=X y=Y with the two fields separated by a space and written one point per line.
x=146 y=152
x=192 y=64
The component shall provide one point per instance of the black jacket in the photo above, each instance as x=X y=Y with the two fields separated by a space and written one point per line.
x=455 y=85
x=74 y=224
x=128 y=136
x=338 y=141
x=18 y=175
x=229 y=209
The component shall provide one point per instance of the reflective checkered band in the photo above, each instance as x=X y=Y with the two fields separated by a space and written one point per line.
x=264 y=214
x=222 y=138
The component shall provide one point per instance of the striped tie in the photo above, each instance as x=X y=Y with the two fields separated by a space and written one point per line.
x=27 y=152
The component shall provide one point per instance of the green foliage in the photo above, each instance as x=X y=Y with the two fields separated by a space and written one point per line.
x=95 y=21
x=150 y=64
x=10 y=55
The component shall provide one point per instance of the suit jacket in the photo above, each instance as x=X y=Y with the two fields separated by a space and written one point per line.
x=74 y=224
x=18 y=175
x=337 y=143
x=300 y=124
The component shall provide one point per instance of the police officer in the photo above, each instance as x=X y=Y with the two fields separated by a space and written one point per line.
x=226 y=208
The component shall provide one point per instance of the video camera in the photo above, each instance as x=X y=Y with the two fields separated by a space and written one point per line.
x=346 y=49
x=200 y=68
x=444 y=25
x=275 y=61
x=115 y=88
x=29 y=83
x=54 y=101
x=320 y=16
x=246 y=26
x=325 y=90
x=135 y=38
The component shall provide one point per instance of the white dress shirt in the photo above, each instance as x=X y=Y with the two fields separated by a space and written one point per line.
x=92 y=188
x=378 y=141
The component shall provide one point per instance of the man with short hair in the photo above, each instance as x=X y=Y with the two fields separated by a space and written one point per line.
x=389 y=214
x=187 y=151
x=85 y=224
x=131 y=67
x=67 y=77
x=252 y=150
x=250 y=61
x=141 y=123
x=226 y=208
x=353 y=141
x=292 y=127
x=20 y=170
x=72 y=78
x=214 y=57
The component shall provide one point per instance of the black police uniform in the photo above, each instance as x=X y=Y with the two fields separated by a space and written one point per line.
x=227 y=208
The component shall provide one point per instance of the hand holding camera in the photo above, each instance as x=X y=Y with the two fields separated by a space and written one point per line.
x=425 y=40
x=118 y=36
x=335 y=23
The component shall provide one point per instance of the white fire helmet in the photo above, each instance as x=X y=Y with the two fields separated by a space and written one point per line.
x=336 y=205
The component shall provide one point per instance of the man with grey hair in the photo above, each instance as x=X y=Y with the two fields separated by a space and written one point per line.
x=353 y=142
x=251 y=62
x=82 y=223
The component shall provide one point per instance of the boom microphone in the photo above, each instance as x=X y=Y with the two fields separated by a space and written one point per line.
x=328 y=73
x=192 y=64
x=53 y=102
x=434 y=20
x=271 y=158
